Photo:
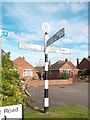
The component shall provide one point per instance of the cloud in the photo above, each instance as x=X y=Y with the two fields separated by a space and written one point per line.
x=67 y=41
x=75 y=32
x=72 y=28
x=29 y=19
x=77 y=7
x=77 y=29
x=23 y=16
x=24 y=37
x=53 y=8
x=84 y=47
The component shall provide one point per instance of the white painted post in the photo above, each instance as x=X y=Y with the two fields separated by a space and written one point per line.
x=46 y=99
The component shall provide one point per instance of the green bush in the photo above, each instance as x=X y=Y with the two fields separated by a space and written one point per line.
x=84 y=73
x=64 y=75
x=11 y=89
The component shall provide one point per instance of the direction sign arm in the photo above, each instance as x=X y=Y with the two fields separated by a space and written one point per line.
x=31 y=46
x=56 y=37
x=59 y=50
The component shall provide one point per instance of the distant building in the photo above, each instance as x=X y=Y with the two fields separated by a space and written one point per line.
x=24 y=68
x=84 y=64
x=61 y=66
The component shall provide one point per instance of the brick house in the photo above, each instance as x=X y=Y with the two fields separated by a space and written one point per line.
x=61 y=66
x=84 y=64
x=25 y=69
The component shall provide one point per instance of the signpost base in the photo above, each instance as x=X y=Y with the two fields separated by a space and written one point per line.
x=45 y=109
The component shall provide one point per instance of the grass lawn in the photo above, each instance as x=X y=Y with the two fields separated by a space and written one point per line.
x=71 y=111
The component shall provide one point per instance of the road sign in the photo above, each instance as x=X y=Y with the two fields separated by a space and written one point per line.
x=41 y=48
x=31 y=46
x=56 y=37
x=12 y=112
x=60 y=50
x=3 y=33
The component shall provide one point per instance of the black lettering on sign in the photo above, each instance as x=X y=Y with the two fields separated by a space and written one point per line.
x=10 y=110
x=6 y=110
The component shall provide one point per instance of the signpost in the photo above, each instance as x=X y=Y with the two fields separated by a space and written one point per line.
x=12 y=112
x=31 y=46
x=46 y=48
x=28 y=46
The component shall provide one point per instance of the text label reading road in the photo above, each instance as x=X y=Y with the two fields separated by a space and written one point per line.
x=14 y=111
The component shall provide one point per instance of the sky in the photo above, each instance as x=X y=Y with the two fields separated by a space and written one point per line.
x=23 y=21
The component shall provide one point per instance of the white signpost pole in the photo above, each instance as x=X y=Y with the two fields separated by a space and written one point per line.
x=46 y=99
x=46 y=28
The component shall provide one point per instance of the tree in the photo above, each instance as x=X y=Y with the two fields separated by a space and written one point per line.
x=40 y=69
x=11 y=90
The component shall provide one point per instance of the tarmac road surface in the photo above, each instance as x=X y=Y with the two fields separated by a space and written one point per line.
x=75 y=94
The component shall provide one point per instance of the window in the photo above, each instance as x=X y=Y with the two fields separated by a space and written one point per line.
x=27 y=73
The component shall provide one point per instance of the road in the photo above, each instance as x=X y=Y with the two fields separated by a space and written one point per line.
x=75 y=94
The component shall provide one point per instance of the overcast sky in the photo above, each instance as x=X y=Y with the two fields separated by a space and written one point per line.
x=23 y=21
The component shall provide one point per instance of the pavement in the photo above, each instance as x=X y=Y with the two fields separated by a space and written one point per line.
x=61 y=95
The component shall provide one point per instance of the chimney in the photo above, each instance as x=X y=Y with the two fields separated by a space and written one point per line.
x=77 y=62
x=66 y=60
x=24 y=58
x=49 y=63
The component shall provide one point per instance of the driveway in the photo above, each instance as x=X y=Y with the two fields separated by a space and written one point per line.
x=75 y=94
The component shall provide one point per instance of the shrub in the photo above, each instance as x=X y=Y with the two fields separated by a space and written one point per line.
x=84 y=73
x=11 y=88
x=63 y=75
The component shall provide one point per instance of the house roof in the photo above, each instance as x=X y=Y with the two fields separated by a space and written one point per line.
x=39 y=68
x=88 y=59
x=59 y=64
x=21 y=62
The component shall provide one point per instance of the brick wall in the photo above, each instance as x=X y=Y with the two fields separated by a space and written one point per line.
x=51 y=82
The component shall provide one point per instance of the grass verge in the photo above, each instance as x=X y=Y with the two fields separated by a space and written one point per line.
x=71 y=111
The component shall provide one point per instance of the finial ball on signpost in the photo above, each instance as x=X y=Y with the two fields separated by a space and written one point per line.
x=46 y=27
